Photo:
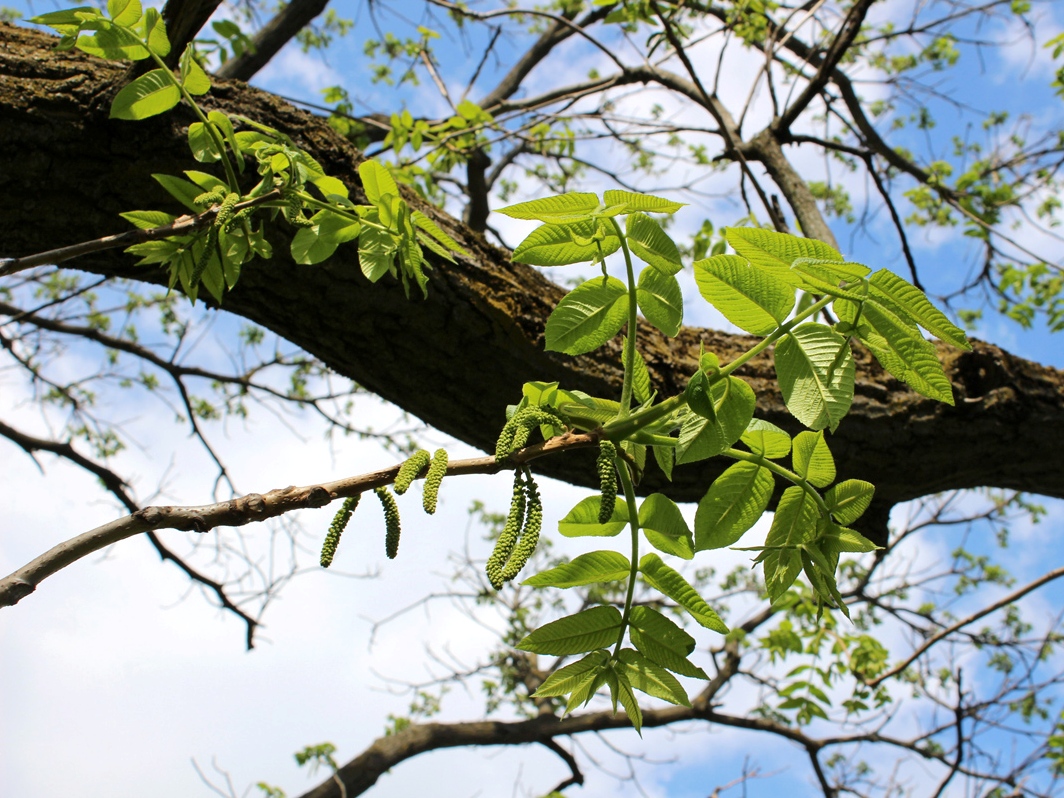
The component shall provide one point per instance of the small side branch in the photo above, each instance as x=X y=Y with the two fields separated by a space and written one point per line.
x=249 y=508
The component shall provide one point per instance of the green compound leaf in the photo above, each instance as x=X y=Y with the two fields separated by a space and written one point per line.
x=566 y=244
x=663 y=642
x=587 y=630
x=816 y=370
x=848 y=500
x=661 y=300
x=915 y=303
x=812 y=459
x=125 y=12
x=588 y=316
x=193 y=78
x=795 y=523
x=733 y=504
x=664 y=579
x=767 y=440
x=776 y=252
x=572 y=678
x=648 y=241
x=150 y=94
x=903 y=352
x=664 y=526
x=650 y=678
x=595 y=566
x=700 y=437
x=560 y=209
x=377 y=181
x=582 y=520
x=315 y=244
x=632 y=202
x=750 y=297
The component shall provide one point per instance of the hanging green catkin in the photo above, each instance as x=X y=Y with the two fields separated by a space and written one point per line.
x=226 y=209
x=517 y=430
x=336 y=528
x=410 y=470
x=530 y=535
x=607 y=480
x=210 y=243
x=437 y=468
x=391 y=521
x=504 y=546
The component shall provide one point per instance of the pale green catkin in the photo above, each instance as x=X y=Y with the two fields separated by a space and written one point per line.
x=433 y=479
x=391 y=521
x=607 y=480
x=515 y=433
x=336 y=528
x=410 y=470
x=504 y=546
x=530 y=535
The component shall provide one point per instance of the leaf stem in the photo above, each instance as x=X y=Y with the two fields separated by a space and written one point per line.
x=633 y=319
x=786 y=473
x=633 y=522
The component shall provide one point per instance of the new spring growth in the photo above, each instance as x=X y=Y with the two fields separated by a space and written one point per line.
x=607 y=473
x=336 y=528
x=410 y=470
x=391 y=521
x=437 y=468
x=504 y=546
x=515 y=433
x=530 y=534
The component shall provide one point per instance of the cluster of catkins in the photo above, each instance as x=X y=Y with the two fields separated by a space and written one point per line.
x=434 y=468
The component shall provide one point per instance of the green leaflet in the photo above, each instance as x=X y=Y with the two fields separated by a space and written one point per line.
x=650 y=678
x=424 y=223
x=812 y=459
x=662 y=641
x=150 y=94
x=145 y=220
x=661 y=300
x=903 y=352
x=641 y=386
x=181 y=190
x=766 y=439
x=566 y=244
x=587 y=630
x=794 y=523
x=647 y=203
x=700 y=437
x=193 y=78
x=588 y=316
x=838 y=538
x=202 y=144
x=315 y=244
x=815 y=368
x=572 y=678
x=621 y=689
x=664 y=526
x=849 y=499
x=648 y=241
x=376 y=251
x=777 y=251
x=125 y=12
x=112 y=42
x=733 y=504
x=750 y=297
x=913 y=301
x=666 y=459
x=155 y=33
x=663 y=578
x=595 y=566
x=559 y=209
x=377 y=181
x=824 y=276
x=582 y=520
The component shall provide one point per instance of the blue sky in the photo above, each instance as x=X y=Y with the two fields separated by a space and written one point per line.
x=120 y=678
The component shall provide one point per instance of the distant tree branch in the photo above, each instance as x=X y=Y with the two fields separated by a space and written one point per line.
x=270 y=38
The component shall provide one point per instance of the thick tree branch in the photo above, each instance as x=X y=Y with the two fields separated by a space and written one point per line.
x=270 y=38
x=430 y=356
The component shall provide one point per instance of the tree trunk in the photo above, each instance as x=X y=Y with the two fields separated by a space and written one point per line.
x=459 y=357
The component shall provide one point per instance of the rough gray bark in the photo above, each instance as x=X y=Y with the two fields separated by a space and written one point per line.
x=459 y=357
